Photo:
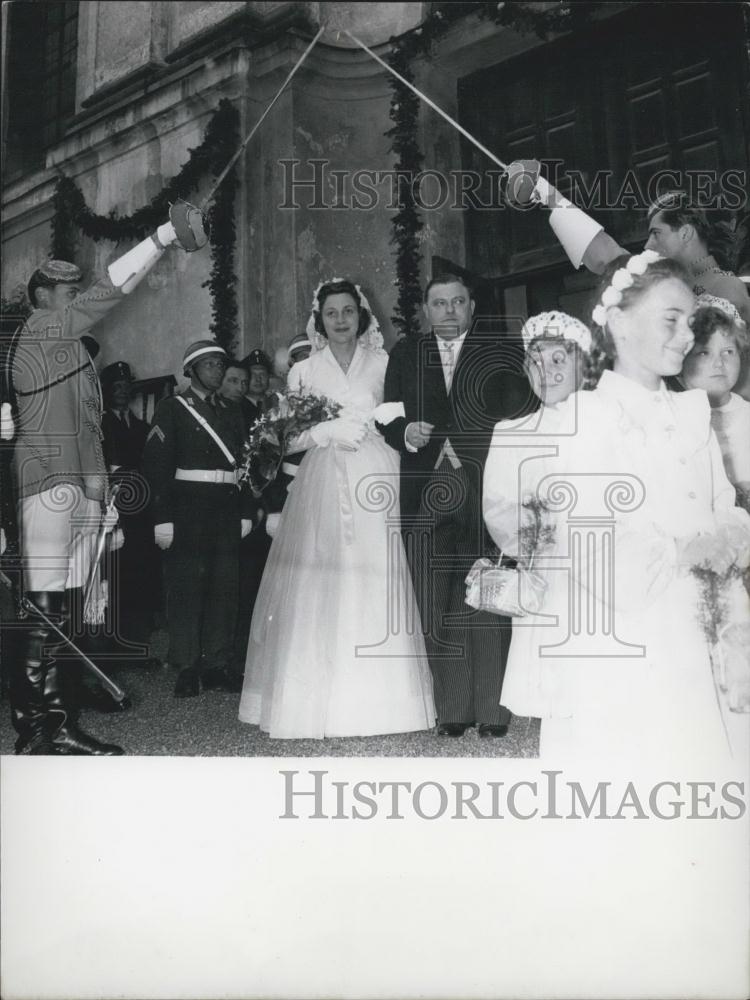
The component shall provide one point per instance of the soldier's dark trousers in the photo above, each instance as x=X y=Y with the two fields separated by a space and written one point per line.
x=202 y=575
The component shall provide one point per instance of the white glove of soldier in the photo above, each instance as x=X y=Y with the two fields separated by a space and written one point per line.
x=343 y=432
x=164 y=535
x=246 y=526
x=116 y=540
x=7 y=424
x=111 y=518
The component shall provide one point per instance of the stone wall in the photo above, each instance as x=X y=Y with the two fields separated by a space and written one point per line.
x=150 y=76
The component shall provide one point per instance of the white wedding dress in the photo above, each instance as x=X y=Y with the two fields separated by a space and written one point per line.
x=616 y=664
x=336 y=647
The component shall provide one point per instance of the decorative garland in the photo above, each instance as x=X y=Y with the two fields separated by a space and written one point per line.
x=221 y=139
x=404 y=113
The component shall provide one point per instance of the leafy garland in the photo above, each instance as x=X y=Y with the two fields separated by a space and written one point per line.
x=404 y=113
x=71 y=214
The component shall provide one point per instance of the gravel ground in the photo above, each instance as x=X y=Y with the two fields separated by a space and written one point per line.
x=207 y=726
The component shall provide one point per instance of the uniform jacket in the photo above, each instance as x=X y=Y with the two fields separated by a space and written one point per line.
x=177 y=441
x=123 y=443
x=58 y=399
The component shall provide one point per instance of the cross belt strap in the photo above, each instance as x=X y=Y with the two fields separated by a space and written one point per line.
x=207 y=476
x=207 y=428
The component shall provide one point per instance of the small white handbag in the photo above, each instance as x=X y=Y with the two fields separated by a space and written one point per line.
x=504 y=591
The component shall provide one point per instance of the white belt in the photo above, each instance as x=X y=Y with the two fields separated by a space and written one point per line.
x=289 y=468
x=207 y=476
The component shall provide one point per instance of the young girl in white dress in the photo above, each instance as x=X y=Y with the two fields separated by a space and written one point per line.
x=714 y=364
x=557 y=363
x=335 y=643
x=617 y=664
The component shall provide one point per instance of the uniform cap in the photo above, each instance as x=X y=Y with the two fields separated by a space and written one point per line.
x=199 y=349
x=258 y=357
x=118 y=371
x=57 y=272
x=298 y=343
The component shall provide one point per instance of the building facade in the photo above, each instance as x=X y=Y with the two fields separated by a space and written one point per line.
x=114 y=95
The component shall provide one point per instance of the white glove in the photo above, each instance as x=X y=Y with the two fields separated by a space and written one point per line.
x=116 y=540
x=343 y=432
x=166 y=235
x=7 y=426
x=246 y=526
x=111 y=517
x=272 y=524
x=164 y=535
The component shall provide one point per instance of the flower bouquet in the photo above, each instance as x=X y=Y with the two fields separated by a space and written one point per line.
x=516 y=592
x=721 y=572
x=271 y=434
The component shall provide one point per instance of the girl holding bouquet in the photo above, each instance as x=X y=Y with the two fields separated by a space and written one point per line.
x=621 y=667
x=558 y=362
x=335 y=643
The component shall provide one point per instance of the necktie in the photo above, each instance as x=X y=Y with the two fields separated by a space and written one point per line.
x=450 y=360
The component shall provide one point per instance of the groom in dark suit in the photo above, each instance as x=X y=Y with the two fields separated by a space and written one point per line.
x=455 y=383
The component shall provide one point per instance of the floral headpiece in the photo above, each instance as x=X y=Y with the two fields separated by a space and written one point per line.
x=556 y=325
x=622 y=279
x=723 y=305
x=371 y=339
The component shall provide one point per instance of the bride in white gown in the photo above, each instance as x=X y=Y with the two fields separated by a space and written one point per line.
x=335 y=643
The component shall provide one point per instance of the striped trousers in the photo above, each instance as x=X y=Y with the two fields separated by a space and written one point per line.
x=467 y=649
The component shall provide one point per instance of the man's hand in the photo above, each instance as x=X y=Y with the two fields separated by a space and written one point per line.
x=418 y=433
x=164 y=535
x=246 y=526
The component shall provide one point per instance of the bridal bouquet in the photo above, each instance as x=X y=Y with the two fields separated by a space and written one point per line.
x=721 y=570
x=272 y=433
x=517 y=592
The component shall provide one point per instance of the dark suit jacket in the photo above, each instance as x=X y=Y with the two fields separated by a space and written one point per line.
x=487 y=386
x=123 y=443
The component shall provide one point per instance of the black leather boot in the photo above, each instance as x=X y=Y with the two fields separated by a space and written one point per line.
x=32 y=718
x=67 y=738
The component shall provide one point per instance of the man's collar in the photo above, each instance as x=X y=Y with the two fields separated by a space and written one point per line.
x=453 y=340
x=200 y=393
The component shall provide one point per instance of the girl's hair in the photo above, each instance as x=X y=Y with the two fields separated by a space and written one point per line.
x=660 y=270
x=707 y=320
x=339 y=288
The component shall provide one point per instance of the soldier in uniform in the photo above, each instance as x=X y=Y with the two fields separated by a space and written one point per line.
x=61 y=481
x=233 y=388
x=259 y=368
x=700 y=239
x=299 y=348
x=200 y=515
x=134 y=568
